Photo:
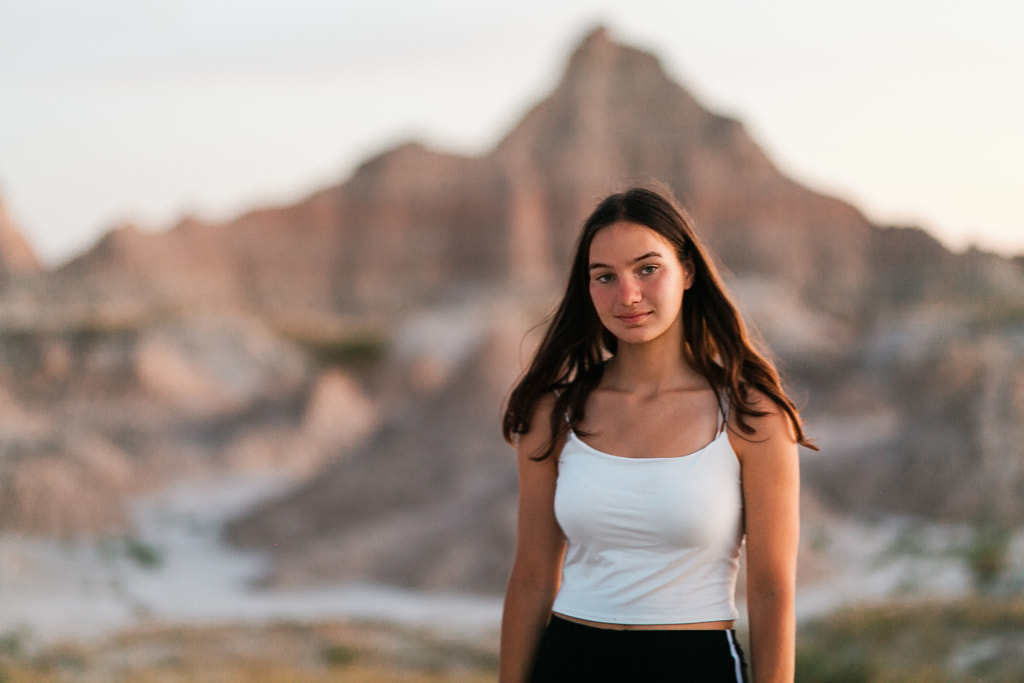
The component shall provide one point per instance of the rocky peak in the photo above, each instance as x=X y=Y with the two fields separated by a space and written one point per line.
x=610 y=97
x=602 y=63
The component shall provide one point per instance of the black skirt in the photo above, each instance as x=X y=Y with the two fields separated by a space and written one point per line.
x=571 y=652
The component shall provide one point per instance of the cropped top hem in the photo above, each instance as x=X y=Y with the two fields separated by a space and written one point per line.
x=647 y=620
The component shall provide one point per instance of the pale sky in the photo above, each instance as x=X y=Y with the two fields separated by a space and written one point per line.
x=115 y=110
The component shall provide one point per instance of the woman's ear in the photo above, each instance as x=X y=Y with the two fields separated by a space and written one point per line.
x=688 y=273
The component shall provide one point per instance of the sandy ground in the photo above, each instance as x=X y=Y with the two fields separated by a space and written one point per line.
x=174 y=570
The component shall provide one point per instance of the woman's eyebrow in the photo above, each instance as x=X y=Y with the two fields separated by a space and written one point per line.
x=648 y=255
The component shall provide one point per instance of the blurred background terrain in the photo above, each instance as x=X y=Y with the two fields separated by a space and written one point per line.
x=289 y=419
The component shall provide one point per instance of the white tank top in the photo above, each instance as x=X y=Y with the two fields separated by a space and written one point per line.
x=650 y=540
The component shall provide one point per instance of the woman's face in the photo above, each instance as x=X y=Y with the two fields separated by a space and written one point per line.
x=637 y=282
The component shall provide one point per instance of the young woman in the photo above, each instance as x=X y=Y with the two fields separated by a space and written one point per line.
x=652 y=439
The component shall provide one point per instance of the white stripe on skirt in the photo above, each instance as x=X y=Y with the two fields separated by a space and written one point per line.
x=735 y=656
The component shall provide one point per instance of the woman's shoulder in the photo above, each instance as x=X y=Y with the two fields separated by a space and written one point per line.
x=769 y=425
x=545 y=406
x=536 y=439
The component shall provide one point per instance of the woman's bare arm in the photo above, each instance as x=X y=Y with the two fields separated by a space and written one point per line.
x=540 y=546
x=771 y=498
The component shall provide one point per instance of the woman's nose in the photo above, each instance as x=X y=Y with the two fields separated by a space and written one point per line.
x=629 y=292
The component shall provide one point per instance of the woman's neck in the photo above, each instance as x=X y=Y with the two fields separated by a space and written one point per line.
x=650 y=368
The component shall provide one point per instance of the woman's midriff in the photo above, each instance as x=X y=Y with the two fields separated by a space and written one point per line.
x=700 y=626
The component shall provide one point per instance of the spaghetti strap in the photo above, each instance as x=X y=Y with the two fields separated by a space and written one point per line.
x=723 y=411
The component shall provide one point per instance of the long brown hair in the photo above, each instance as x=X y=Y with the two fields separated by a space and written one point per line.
x=571 y=357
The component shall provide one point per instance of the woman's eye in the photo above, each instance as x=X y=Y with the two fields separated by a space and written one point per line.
x=649 y=269
x=604 y=277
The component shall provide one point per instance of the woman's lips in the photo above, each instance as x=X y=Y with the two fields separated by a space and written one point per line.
x=633 y=318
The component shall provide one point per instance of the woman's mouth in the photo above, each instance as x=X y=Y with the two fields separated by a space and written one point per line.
x=633 y=318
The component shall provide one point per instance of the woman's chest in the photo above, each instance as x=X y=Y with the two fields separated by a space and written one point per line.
x=622 y=502
x=672 y=426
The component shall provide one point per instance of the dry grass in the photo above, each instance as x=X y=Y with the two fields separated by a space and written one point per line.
x=274 y=653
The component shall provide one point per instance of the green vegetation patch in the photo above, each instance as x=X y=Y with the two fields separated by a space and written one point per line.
x=143 y=554
x=353 y=352
x=354 y=348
